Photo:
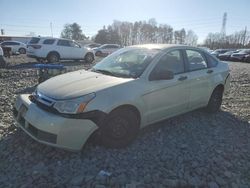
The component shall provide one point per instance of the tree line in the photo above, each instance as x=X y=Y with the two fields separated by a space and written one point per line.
x=239 y=39
x=142 y=32
x=139 y=32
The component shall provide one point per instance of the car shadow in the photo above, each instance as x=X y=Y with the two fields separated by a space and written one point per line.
x=174 y=122
x=28 y=65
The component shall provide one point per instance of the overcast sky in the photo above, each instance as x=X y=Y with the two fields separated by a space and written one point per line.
x=20 y=17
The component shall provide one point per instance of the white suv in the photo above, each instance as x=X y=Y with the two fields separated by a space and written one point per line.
x=128 y=90
x=55 y=49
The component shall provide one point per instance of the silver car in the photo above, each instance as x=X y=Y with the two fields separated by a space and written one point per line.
x=126 y=91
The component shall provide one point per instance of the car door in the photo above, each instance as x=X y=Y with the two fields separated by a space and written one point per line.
x=199 y=78
x=105 y=49
x=14 y=46
x=113 y=48
x=166 y=98
x=64 y=48
x=77 y=51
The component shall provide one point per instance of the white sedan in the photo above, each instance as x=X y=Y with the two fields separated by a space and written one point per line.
x=128 y=90
x=15 y=46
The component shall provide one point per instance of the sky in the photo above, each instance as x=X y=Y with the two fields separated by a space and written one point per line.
x=23 y=17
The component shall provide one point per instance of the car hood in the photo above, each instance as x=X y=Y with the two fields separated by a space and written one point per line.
x=78 y=83
x=239 y=54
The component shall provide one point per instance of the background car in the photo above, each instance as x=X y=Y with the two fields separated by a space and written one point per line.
x=2 y=61
x=92 y=45
x=247 y=58
x=240 y=56
x=106 y=49
x=55 y=49
x=15 y=46
x=226 y=56
x=219 y=51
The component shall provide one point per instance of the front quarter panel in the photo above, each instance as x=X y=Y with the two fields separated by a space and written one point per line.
x=128 y=93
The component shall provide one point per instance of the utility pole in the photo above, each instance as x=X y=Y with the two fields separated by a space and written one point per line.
x=51 y=29
x=223 y=27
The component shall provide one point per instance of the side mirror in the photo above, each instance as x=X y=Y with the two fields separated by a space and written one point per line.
x=161 y=75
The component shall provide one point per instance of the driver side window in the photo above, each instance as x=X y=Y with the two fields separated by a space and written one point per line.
x=171 y=61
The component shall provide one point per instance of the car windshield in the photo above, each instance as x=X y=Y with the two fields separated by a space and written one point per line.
x=127 y=63
x=244 y=52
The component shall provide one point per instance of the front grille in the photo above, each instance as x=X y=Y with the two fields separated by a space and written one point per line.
x=15 y=112
x=21 y=121
x=42 y=135
x=42 y=105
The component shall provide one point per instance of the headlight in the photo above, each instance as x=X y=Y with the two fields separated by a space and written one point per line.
x=74 y=106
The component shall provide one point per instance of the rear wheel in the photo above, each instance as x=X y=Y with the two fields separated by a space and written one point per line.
x=215 y=100
x=22 y=51
x=119 y=129
x=89 y=58
x=53 y=58
x=98 y=53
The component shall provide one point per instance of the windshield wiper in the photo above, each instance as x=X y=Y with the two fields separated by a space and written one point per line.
x=104 y=72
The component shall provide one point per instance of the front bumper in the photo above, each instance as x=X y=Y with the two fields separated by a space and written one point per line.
x=52 y=129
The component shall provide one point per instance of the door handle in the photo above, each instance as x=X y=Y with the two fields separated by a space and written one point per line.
x=210 y=71
x=182 y=78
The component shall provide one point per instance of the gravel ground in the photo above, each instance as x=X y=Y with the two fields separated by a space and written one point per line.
x=192 y=150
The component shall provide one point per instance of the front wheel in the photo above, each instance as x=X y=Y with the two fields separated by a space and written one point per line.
x=22 y=51
x=89 y=58
x=215 y=101
x=119 y=129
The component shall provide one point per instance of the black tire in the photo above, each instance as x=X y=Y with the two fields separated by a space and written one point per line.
x=89 y=57
x=215 y=100
x=119 y=129
x=53 y=57
x=98 y=53
x=22 y=51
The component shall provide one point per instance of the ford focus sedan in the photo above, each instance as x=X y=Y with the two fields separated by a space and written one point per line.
x=128 y=90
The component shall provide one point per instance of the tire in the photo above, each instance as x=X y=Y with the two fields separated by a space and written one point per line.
x=89 y=57
x=40 y=60
x=98 y=53
x=215 y=100
x=119 y=129
x=22 y=51
x=53 y=57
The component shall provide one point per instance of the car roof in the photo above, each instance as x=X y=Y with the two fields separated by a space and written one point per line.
x=44 y=38
x=12 y=41
x=165 y=46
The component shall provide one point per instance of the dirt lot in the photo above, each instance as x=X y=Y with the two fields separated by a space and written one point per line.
x=192 y=150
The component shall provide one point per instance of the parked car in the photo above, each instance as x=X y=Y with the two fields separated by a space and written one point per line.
x=217 y=52
x=240 y=56
x=2 y=61
x=226 y=56
x=106 y=49
x=16 y=47
x=92 y=45
x=126 y=91
x=55 y=49
x=247 y=58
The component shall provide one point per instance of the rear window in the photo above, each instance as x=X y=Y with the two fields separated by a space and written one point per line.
x=212 y=61
x=63 y=43
x=49 y=41
x=34 y=40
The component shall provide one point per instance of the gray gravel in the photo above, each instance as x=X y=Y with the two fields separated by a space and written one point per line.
x=192 y=150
